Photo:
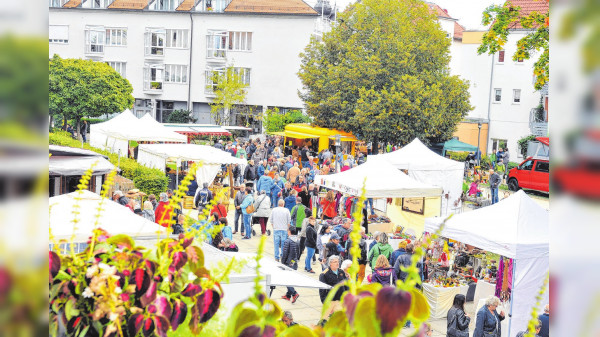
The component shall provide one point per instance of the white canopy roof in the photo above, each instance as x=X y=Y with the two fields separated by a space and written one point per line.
x=430 y=168
x=115 y=218
x=516 y=227
x=75 y=166
x=187 y=152
x=382 y=181
x=417 y=156
x=127 y=127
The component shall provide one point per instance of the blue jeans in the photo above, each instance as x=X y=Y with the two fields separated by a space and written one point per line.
x=310 y=252
x=236 y=220
x=370 y=203
x=273 y=199
x=494 y=191
x=247 y=225
x=279 y=237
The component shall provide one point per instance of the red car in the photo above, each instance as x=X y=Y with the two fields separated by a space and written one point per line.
x=531 y=174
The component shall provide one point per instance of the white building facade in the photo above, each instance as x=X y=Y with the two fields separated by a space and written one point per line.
x=168 y=54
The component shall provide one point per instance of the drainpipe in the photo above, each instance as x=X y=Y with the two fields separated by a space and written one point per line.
x=490 y=103
x=189 y=100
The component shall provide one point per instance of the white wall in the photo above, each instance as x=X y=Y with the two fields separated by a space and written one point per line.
x=276 y=44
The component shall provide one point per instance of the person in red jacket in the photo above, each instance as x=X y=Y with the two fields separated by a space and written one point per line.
x=328 y=204
x=163 y=212
x=220 y=210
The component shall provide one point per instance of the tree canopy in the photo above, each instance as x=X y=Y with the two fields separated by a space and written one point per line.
x=229 y=90
x=275 y=121
x=502 y=19
x=85 y=88
x=382 y=73
x=181 y=116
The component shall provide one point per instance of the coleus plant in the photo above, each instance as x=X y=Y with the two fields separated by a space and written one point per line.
x=124 y=290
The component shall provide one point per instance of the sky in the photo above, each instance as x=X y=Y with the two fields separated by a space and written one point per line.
x=468 y=12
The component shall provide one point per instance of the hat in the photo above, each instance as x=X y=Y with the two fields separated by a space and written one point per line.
x=334 y=236
x=402 y=244
x=119 y=193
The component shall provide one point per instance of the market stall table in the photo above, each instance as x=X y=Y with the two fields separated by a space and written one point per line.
x=440 y=299
x=483 y=290
x=381 y=227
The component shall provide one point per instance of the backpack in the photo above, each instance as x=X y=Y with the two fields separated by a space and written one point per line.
x=203 y=197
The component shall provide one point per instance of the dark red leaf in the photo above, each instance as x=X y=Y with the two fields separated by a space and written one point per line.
x=54 y=265
x=191 y=290
x=269 y=331
x=251 y=331
x=179 y=313
x=179 y=260
x=150 y=267
x=149 y=295
x=350 y=301
x=208 y=304
x=141 y=281
x=135 y=324
x=148 y=327
x=186 y=241
x=391 y=306
x=163 y=307
x=162 y=326
x=5 y=282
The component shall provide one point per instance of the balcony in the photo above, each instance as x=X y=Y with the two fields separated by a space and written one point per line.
x=538 y=125
x=154 y=79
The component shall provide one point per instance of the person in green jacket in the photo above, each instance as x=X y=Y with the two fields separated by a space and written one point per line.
x=382 y=247
x=298 y=214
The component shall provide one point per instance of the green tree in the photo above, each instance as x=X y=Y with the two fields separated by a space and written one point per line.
x=503 y=19
x=229 y=90
x=275 y=121
x=85 y=88
x=181 y=116
x=382 y=73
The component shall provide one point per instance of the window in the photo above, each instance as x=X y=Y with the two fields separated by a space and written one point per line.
x=527 y=166
x=94 y=40
x=116 y=37
x=155 y=42
x=240 y=41
x=100 y=3
x=164 y=5
x=244 y=73
x=177 y=38
x=497 y=95
x=214 y=5
x=118 y=66
x=516 y=95
x=175 y=73
x=216 y=44
x=209 y=74
x=65 y=248
x=501 y=56
x=57 y=3
x=542 y=166
x=58 y=34
x=153 y=77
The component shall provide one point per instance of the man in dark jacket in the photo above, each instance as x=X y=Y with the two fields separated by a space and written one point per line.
x=250 y=172
x=289 y=257
x=332 y=276
x=203 y=197
x=118 y=197
x=495 y=181
x=545 y=319
x=362 y=259
x=404 y=261
x=311 y=244
x=237 y=175
x=192 y=187
x=237 y=202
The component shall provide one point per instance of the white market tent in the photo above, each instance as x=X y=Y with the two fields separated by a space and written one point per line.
x=68 y=161
x=115 y=218
x=430 y=168
x=382 y=181
x=517 y=228
x=157 y=155
x=115 y=134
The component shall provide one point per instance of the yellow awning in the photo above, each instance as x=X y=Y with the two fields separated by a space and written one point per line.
x=299 y=135
x=278 y=133
x=344 y=138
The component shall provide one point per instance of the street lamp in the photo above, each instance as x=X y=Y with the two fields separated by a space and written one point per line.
x=338 y=144
x=478 y=137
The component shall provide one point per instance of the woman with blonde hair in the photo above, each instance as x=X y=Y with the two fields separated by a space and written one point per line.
x=488 y=319
x=328 y=204
x=383 y=272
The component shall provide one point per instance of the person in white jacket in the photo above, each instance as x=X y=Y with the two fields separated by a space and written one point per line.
x=262 y=206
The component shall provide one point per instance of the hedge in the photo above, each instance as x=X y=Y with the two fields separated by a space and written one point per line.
x=145 y=179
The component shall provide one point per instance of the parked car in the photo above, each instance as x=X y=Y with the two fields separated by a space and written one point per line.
x=531 y=174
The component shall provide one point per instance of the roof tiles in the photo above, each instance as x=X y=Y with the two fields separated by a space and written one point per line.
x=186 y=5
x=72 y=4
x=129 y=4
x=270 y=6
x=528 y=7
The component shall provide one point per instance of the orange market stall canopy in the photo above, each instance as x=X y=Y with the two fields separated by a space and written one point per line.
x=326 y=137
x=198 y=129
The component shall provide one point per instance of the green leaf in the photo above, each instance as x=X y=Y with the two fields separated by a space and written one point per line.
x=419 y=308
x=241 y=317
x=337 y=325
x=365 y=321
x=121 y=240
x=71 y=309
x=63 y=276
x=299 y=331
x=84 y=331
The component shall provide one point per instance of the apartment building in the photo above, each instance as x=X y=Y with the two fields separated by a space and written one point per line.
x=169 y=49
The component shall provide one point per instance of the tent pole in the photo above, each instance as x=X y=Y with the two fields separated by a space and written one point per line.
x=441 y=196
x=512 y=296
